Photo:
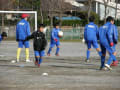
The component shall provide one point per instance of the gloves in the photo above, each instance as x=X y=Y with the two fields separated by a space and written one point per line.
x=55 y=40
x=111 y=44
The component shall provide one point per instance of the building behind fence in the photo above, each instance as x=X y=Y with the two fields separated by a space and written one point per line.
x=72 y=33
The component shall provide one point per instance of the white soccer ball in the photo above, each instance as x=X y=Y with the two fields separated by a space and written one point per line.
x=13 y=61
x=83 y=40
x=60 y=33
x=45 y=74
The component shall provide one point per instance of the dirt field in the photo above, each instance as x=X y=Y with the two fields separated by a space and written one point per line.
x=67 y=72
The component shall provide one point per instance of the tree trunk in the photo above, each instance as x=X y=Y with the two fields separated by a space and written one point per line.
x=41 y=13
x=2 y=23
x=89 y=9
x=116 y=10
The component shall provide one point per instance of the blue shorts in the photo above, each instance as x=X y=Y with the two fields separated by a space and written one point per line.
x=92 y=43
x=52 y=44
x=22 y=43
x=111 y=50
x=39 y=53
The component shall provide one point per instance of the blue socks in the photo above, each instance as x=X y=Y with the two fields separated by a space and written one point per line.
x=100 y=53
x=102 y=61
x=111 y=58
x=57 y=50
x=88 y=54
x=38 y=59
x=50 y=49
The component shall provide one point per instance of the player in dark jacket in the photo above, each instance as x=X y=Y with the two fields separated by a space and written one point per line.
x=3 y=36
x=39 y=44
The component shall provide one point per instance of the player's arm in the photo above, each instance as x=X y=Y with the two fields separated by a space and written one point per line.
x=97 y=32
x=85 y=33
x=30 y=37
x=110 y=35
x=53 y=36
x=28 y=29
x=115 y=36
x=17 y=35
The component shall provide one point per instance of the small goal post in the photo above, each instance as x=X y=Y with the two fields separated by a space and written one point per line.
x=20 y=12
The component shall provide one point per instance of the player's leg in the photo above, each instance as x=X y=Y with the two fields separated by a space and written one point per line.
x=103 y=51
x=115 y=62
x=26 y=43
x=20 y=46
x=58 y=48
x=42 y=54
x=52 y=44
x=95 y=45
x=88 y=51
x=111 y=58
x=37 y=56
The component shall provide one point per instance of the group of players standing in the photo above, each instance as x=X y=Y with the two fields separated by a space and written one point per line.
x=106 y=34
x=108 y=38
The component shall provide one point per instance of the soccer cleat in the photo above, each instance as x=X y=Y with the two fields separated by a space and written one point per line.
x=48 y=54
x=103 y=69
x=115 y=63
x=39 y=65
x=28 y=60
x=87 y=60
x=17 y=60
x=108 y=66
x=36 y=62
x=57 y=54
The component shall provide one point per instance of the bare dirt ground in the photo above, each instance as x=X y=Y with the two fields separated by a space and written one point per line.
x=67 y=72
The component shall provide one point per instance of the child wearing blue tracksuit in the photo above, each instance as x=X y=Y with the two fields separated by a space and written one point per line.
x=107 y=40
x=3 y=36
x=114 y=35
x=22 y=31
x=55 y=40
x=90 y=36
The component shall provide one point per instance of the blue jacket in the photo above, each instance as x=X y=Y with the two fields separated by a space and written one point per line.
x=22 y=30
x=112 y=34
x=54 y=34
x=91 y=32
x=0 y=38
x=103 y=34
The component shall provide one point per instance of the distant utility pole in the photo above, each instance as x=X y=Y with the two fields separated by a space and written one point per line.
x=116 y=9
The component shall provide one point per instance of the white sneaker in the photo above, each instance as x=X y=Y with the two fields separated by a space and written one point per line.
x=28 y=60
x=108 y=66
x=87 y=60
x=17 y=60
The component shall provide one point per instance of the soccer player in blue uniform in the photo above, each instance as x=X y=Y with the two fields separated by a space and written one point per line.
x=55 y=40
x=107 y=42
x=3 y=36
x=113 y=35
x=90 y=36
x=39 y=44
x=22 y=31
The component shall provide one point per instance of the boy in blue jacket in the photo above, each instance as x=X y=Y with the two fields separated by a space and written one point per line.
x=3 y=36
x=90 y=36
x=113 y=36
x=22 y=31
x=107 y=43
x=55 y=40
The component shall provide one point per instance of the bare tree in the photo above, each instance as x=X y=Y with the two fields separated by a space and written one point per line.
x=105 y=5
x=54 y=7
x=89 y=8
x=116 y=9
